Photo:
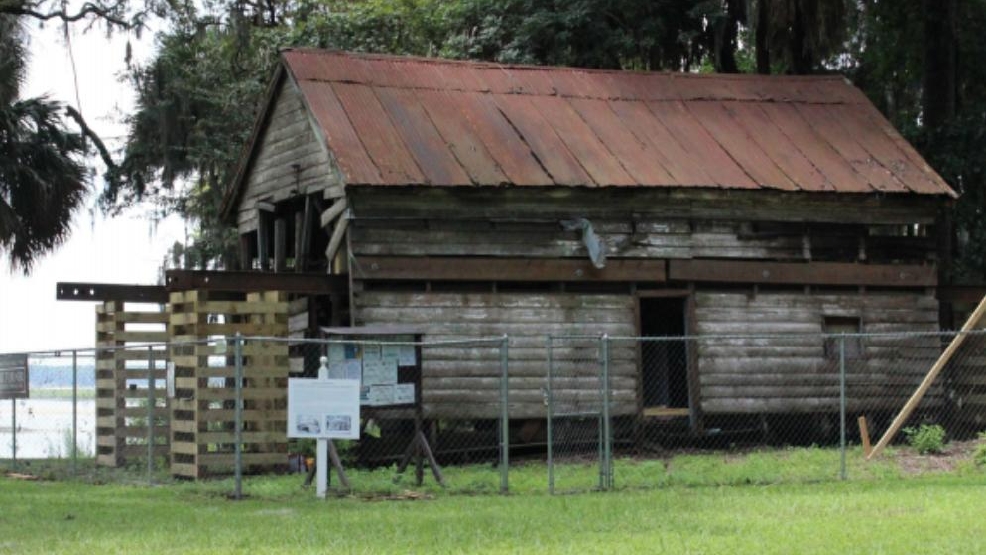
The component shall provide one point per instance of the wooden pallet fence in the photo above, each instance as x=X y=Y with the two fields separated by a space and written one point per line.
x=124 y=372
x=203 y=411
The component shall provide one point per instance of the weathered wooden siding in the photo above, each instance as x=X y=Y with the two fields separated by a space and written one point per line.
x=790 y=372
x=463 y=381
x=637 y=224
x=497 y=203
x=639 y=236
x=288 y=141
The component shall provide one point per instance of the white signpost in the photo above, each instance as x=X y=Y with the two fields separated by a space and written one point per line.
x=323 y=409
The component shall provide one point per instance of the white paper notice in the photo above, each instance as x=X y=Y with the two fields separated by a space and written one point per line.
x=337 y=353
x=390 y=352
x=347 y=369
x=380 y=372
x=327 y=409
x=404 y=394
x=407 y=356
x=371 y=352
x=380 y=395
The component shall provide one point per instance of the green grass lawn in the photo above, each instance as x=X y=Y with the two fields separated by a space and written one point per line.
x=940 y=514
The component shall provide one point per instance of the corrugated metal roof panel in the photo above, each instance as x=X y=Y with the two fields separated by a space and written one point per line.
x=403 y=121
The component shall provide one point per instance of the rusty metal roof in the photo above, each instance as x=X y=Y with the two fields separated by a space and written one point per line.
x=416 y=121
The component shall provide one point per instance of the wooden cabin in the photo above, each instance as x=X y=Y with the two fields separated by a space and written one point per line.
x=468 y=199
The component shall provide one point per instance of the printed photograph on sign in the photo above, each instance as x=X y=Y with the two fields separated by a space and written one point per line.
x=338 y=423
x=308 y=424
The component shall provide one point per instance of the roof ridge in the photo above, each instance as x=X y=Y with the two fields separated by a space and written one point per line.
x=530 y=67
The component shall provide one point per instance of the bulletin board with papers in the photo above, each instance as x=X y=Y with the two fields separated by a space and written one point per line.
x=386 y=360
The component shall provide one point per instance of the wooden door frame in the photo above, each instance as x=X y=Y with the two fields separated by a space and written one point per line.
x=691 y=369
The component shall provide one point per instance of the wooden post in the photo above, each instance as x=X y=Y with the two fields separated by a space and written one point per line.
x=280 y=244
x=864 y=436
x=246 y=256
x=263 y=246
x=299 y=224
x=305 y=244
x=912 y=403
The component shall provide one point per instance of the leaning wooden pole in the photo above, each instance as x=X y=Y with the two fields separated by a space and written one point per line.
x=929 y=378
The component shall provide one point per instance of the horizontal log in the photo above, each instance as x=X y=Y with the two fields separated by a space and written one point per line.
x=813 y=273
x=506 y=269
x=800 y=405
x=560 y=384
x=375 y=299
x=421 y=315
x=525 y=368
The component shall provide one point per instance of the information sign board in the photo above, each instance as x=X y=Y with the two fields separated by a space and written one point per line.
x=323 y=409
x=13 y=377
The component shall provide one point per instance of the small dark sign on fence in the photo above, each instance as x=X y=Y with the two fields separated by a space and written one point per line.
x=13 y=377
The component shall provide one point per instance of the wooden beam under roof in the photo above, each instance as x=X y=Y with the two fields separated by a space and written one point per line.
x=506 y=269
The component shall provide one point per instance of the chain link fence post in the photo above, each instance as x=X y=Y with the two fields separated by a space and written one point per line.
x=549 y=401
x=238 y=412
x=842 y=407
x=13 y=438
x=150 y=414
x=607 y=466
x=75 y=413
x=504 y=414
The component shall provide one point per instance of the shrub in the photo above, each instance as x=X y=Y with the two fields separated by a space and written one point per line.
x=979 y=455
x=926 y=439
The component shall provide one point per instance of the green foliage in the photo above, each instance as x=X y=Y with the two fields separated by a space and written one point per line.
x=979 y=454
x=926 y=439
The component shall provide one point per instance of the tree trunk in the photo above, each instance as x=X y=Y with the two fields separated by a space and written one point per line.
x=801 y=54
x=939 y=62
x=763 y=51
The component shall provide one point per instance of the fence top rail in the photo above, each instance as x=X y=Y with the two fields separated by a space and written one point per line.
x=903 y=335
x=492 y=341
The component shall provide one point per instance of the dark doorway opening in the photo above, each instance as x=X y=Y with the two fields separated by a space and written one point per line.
x=664 y=362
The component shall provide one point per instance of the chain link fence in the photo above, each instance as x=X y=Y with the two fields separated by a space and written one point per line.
x=463 y=416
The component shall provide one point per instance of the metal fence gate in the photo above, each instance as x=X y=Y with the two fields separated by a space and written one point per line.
x=578 y=403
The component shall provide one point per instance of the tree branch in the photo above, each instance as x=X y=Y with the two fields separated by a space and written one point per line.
x=88 y=133
x=103 y=12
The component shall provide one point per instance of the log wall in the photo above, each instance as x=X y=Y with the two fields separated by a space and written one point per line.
x=788 y=369
x=463 y=381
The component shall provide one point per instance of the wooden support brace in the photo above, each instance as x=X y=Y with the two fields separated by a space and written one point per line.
x=305 y=243
x=333 y=211
x=436 y=471
x=337 y=464
x=336 y=240
x=912 y=403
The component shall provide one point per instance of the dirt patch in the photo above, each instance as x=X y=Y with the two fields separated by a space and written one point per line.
x=954 y=455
